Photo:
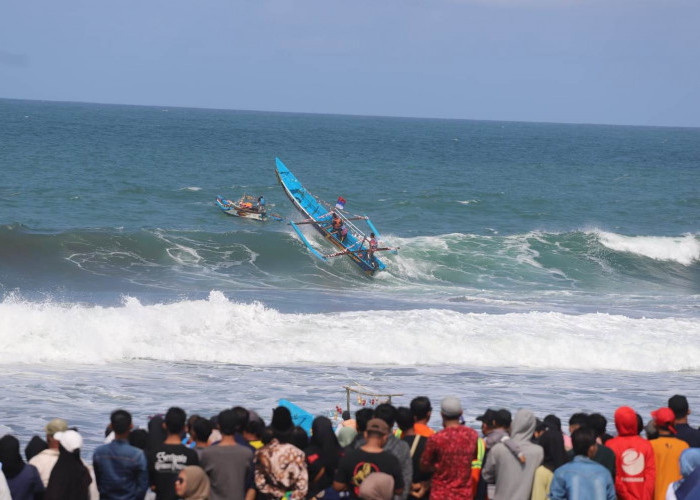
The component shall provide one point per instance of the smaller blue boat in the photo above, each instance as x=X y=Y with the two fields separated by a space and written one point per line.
x=335 y=226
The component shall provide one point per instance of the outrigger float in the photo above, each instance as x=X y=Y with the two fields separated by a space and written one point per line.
x=245 y=207
x=319 y=214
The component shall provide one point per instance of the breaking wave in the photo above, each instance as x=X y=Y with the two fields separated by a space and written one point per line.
x=219 y=330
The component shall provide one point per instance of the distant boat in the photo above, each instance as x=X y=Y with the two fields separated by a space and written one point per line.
x=245 y=207
x=319 y=214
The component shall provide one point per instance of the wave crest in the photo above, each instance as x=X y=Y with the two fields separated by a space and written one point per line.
x=224 y=331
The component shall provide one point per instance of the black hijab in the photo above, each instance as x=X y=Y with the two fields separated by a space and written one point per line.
x=552 y=442
x=70 y=479
x=12 y=463
x=35 y=446
x=323 y=437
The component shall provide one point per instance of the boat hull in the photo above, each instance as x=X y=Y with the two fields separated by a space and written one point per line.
x=232 y=208
x=312 y=209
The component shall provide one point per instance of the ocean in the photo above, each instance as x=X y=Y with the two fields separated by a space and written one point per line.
x=548 y=266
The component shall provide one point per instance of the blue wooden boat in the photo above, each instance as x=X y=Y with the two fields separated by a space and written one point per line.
x=319 y=215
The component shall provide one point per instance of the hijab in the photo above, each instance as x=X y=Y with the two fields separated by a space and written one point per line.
x=35 y=446
x=12 y=463
x=282 y=424
x=552 y=442
x=70 y=479
x=377 y=486
x=198 y=484
x=346 y=435
x=689 y=487
x=323 y=437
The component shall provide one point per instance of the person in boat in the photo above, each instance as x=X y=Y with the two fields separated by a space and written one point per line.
x=343 y=232
x=373 y=245
x=261 y=205
x=336 y=224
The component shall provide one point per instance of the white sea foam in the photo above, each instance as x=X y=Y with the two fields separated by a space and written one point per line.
x=467 y=202
x=220 y=330
x=682 y=249
x=191 y=188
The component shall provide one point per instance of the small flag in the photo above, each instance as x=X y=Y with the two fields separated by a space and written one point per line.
x=340 y=204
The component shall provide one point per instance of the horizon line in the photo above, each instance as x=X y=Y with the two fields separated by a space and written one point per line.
x=357 y=115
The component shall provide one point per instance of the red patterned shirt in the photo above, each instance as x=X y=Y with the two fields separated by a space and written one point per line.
x=451 y=452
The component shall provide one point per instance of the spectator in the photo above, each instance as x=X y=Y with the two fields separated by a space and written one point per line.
x=358 y=464
x=494 y=426
x=120 y=469
x=688 y=487
x=422 y=410
x=419 y=482
x=582 y=478
x=635 y=473
x=362 y=416
x=35 y=446
x=4 y=488
x=552 y=442
x=70 y=478
x=166 y=460
x=513 y=479
x=200 y=430
x=322 y=456
x=378 y=486
x=253 y=433
x=192 y=483
x=679 y=406
x=138 y=438
x=449 y=454
x=604 y=456
x=241 y=417
x=299 y=438
x=280 y=467
x=228 y=464
x=667 y=451
x=347 y=436
x=575 y=421
x=45 y=460
x=23 y=481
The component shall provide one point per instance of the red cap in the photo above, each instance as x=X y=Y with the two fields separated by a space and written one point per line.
x=664 y=417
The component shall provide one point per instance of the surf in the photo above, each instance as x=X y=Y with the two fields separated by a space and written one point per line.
x=222 y=330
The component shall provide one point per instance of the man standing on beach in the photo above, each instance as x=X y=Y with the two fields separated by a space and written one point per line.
x=679 y=406
x=120 y=469
x=45 y=460
x=166 y=460
x=228 y=464
x=421 y=410
x=369 y=458
x=449 y=454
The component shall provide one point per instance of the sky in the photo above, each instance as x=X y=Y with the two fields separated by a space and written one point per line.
x=634 y=62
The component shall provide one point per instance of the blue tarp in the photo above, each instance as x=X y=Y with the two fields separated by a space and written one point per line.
x=300 y=417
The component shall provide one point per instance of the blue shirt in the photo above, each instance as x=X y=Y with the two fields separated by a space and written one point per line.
x=120 y=471
x=582 y=479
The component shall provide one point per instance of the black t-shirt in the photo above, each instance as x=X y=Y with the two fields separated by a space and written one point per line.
x=164 y=464
x=418 y=476
x=356 y=465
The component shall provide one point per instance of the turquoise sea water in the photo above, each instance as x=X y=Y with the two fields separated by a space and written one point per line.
x=521 y=243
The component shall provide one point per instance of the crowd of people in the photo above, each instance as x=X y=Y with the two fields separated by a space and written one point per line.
x=382 y=453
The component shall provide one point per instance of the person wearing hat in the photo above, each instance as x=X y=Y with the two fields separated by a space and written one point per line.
x=70 y=478
x=667 y=451
x=45 y=460
x=679 y=405
x=356 y=465
x=449 y=454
